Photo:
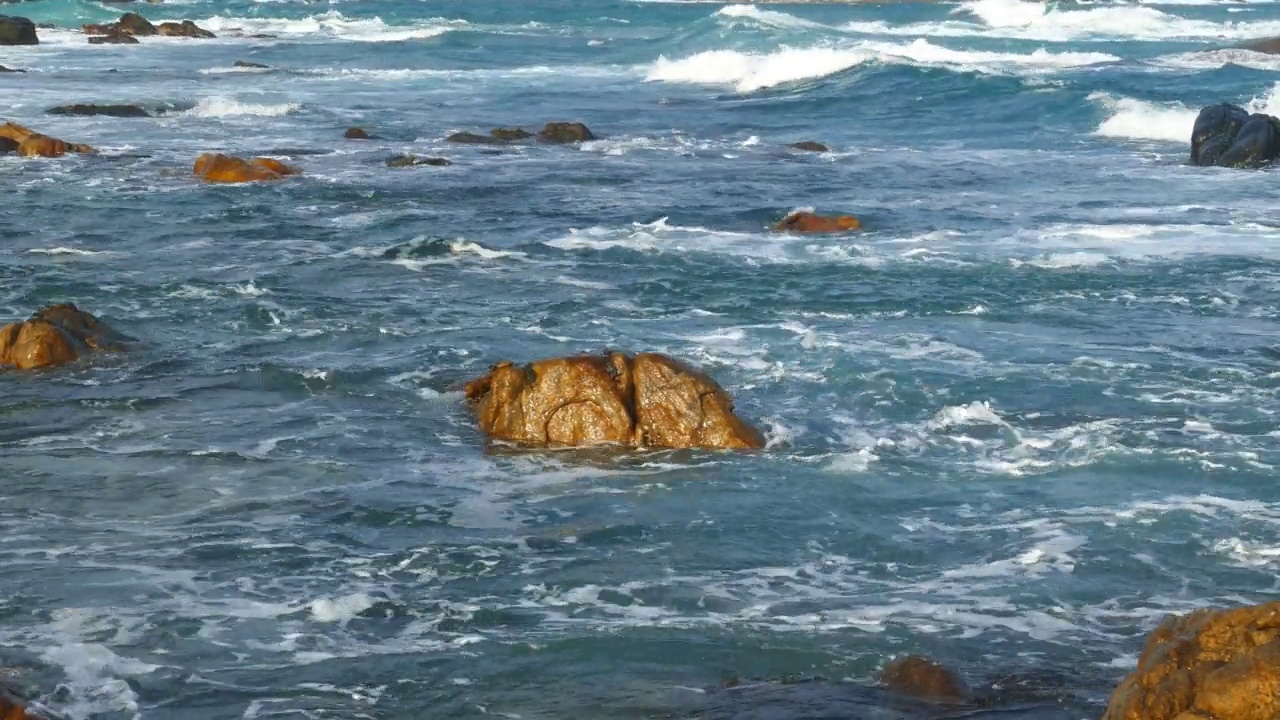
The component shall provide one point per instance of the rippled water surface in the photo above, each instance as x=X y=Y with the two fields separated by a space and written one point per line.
x=1027 y=412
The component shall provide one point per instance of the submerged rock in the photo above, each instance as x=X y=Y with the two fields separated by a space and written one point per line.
x=17 y=31
x=918 y=676
x=809 y=146
x=565 y=132
x=248 y=64
x=470 y=138
x=1206 y=665
x=219 y=168
x=649 y=400
x=33 y=144
x=55 y=335
x=510 y=134
x=807 y=222
x=1227 y=135
x=355 y=133
x=400 y=161
x=122 y=111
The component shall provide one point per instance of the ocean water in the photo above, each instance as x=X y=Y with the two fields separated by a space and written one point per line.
x=1026 y=413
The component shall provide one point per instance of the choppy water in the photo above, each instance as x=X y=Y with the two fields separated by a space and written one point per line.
x=1026 y=413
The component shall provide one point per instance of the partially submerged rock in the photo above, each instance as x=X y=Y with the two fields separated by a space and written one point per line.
x=114 y=38
x=565 y=132
x=56 y=335
x=470 y=138
x=400 y=161
x=808 y=222
x=921 y=677
x=123 y=111
x=219 y=168
x=30 y=143
x=1227 y=135
x=510 y=134
x=4 y=69
x=809 y=146
x=356 y=133
x=1206 y=665
x=186 y=29
x=134 y=25
x=17 y=31
x=249 y=64
x=649 y=400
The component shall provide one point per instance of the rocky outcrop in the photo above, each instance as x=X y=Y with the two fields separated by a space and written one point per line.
x=809 y=146
x=56 y=335
x=1227 y=135
x=918 y=676
x=186 y=29
x=565 y=132
x=30 y=143
x=219 y=168
x=122 y=111
x=356 y=133
x=1207 y=665
x=807 y=222
x=17 y=31
x=402 y=161
x=134 y=25
x=649 y=400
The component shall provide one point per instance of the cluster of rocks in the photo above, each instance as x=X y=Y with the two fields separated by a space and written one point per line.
x=553 y=132
x=1227 y=135
x=56 y=335
x=132 y=26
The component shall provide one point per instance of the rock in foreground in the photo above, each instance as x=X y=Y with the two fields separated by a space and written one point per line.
x=1227 y=135
x=218 y=168
x=1207 y=665
x=29 y=143
x=649 y=400
x=918 y=676
x=55 y=335
x=807 y=222
x=17 y=31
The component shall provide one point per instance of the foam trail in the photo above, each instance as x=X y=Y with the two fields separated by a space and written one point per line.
x=334 y=24
x=1042 y=21
x=219 y=106
x=771 y=18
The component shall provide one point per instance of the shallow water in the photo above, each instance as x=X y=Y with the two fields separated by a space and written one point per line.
x=1027 y=412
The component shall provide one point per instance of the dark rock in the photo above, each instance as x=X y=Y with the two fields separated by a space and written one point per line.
x=17 y=31
x=809 y=146
x=509 y=134
x=469 y=138
x=186 y=28
x=117 y=39
x=4 y=69
x=1270 y=46
x=565 y=132
x=355 y=133
x=134 y=24
x=122 y=111
x=1227 y=135
x=247 y=64
x=400 y=161
x=8 y=145
x=918 y=676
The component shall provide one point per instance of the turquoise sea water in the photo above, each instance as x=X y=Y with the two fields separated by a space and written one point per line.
x=1027 y=412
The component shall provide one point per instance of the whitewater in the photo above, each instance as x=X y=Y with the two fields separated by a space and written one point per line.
x=1021 y=416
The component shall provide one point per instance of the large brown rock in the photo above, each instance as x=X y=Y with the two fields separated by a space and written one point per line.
x=55 y=335
x=186 y=29
x=136 y=25
x=807 y=222
x=218 y=168
x=918 y=676
x=649 y=400
x=33 y=144
x=1207 y=665
x=565 y=132
x=17 y=31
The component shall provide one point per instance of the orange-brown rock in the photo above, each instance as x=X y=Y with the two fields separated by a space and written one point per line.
x=807 y=222
x=649 y=400
x=11 y=709
x=215 y=167
x=918 y=676
x=33 y=144
x=186 y=29
x=55 y=335
x=1207 y=665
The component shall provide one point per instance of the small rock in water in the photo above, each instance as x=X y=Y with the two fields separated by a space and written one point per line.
x=807 y=222
x=121 y=111
x=4 y=69
x=55 y=335
x=186 y=28
x=400 y=161
x=1227 y=135
x=510 y=134
x=470 y=138
x=565 y=132
x=356 y=133
x=219 y=168
x=114 y=39
x=918 y=676
x=248 y=64
x=809 y=146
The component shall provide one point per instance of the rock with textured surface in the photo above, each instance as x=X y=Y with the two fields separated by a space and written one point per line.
x=918 y=676
x=401 y=161
x=56 y=335
x=809 y=146
x=1227 y=135
x=470 y=138
x=186 y=29
x=1206 y=665
x=219 y=168
x=565 y=132
x=17 y=31
x=807 y=222
x=356 y=133
x=650 y=400
x=33 y=144
x=121 y=111
x=510 y=134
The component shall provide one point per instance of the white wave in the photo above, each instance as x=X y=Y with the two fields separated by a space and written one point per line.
x=216 y=106
x=747 y=72
x=1214 y=59
x=335 y=25
x=772 y=18
x=975 y=413
x=1142 y=120
x=340 y=609
x=67 y=251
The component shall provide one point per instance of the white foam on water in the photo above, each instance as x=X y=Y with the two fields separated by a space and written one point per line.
x=974 y=413
x=1047 y=21
x=334 y=24
x=340 y=609
x=218 y=106
x=1219 y=58
x=68 y=251
x=771 y=18
x=747 y=72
